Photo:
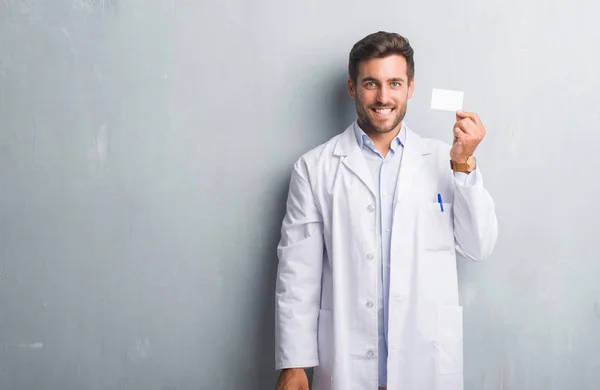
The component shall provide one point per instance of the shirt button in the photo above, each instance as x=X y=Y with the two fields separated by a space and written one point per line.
x=370 y=353
x=369 y=305
x=370 y=256
x=371 y=208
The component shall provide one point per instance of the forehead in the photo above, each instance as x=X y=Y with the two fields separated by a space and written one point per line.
x=393 y=66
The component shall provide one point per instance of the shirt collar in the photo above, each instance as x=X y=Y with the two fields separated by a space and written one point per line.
x=362 y=137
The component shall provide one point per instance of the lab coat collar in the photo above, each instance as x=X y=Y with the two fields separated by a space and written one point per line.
x=414 y=156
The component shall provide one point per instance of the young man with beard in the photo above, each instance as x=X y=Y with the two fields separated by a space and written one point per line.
x=367 y=290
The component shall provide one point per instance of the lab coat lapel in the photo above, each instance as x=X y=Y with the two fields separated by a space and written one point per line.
x=347 y=148
x=415 y=154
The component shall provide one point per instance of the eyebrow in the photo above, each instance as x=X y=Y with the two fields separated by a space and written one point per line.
x=396 y=79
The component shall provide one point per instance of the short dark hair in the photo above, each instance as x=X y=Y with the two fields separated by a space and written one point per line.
x=378 y=45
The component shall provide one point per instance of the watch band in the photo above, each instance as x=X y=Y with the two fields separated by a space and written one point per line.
x=466 y=167
x=459 y=167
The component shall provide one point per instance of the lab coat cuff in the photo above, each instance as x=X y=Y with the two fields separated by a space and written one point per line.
x=467 y=180
x=281 y=365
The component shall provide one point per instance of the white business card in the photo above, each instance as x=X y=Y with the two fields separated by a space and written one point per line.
x=444 y=99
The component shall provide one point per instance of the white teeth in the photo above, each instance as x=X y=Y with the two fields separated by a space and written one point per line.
x=384 y=112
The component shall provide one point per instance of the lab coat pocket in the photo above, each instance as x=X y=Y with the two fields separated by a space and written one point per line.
x=325 y=345
x=450 y=340
x=437 y=226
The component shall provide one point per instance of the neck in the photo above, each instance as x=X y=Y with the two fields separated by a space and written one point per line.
x=381 y=141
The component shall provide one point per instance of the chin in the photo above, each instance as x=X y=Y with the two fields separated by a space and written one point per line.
x=383 y=130
x=384 y=127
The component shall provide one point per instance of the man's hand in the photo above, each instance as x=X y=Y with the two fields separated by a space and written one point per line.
x=292 y=379
x=468 y=133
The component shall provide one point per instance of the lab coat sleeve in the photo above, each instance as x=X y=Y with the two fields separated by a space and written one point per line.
x=475 y=221
x=298 y=284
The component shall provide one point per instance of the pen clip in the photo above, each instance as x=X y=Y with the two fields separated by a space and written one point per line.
x=439 y=196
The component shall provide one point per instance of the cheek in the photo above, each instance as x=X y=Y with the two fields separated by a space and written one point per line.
x=400 y=97
x=400 y=94
x=365 y=97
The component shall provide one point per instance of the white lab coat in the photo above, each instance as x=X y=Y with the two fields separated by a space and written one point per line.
x=327 y=272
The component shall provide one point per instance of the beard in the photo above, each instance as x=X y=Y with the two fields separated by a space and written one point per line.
x=364 y=116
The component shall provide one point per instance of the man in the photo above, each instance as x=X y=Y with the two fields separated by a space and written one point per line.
x=367 y=289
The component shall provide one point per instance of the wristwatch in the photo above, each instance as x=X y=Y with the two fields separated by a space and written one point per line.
x=467 y=167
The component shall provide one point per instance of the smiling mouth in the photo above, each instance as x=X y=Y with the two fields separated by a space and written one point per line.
x=382 y=112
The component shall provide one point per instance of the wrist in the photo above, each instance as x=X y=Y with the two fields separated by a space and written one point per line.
x=293 y=369
x=460 y=159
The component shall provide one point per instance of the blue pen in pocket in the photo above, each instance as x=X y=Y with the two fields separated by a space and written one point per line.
x=440 y=202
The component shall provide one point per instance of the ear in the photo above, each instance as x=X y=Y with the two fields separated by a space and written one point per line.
x=411 y=88
x=351 y=88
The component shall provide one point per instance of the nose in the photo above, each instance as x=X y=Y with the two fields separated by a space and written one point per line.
x=383 y=95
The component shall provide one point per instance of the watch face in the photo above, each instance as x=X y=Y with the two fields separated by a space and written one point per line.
x=471 y=163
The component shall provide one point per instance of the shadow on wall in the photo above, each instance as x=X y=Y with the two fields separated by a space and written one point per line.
x=334 y=110
x=338 y=109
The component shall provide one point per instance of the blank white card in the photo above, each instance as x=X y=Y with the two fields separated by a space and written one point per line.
x=443 y=99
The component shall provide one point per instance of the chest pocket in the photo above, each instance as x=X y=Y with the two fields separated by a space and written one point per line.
x=436 y=227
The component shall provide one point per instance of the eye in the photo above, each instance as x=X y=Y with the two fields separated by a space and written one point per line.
x=396 y=84
x=370 y=84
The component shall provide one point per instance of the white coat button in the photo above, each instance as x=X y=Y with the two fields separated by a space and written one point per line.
x=371 y=208
x=370 y=353
x=369 y=305
x=370 y=257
